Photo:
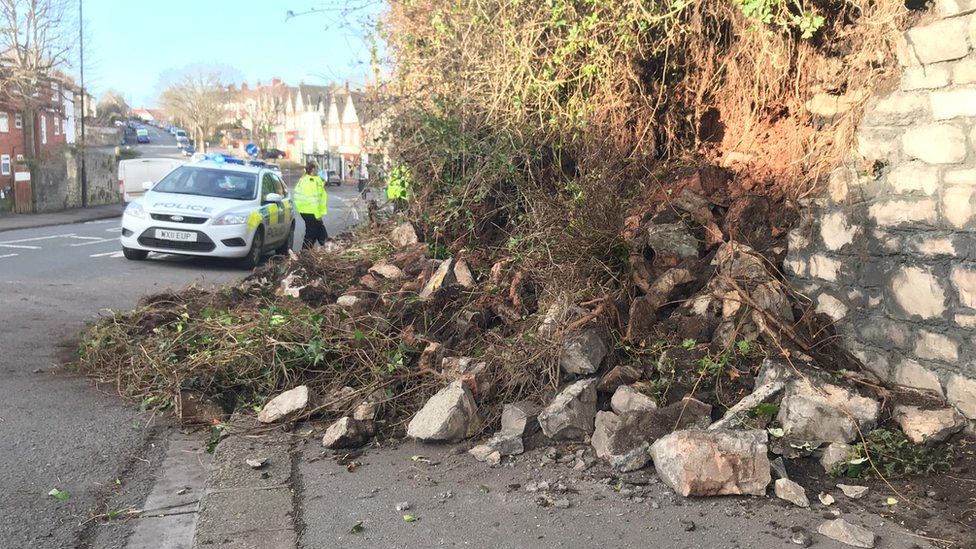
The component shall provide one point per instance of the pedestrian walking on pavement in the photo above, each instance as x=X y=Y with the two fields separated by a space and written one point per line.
x=311 y=201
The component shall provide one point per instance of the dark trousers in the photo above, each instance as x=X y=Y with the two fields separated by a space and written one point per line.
x=314 y=231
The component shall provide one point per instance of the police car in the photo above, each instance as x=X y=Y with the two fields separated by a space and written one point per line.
x=218 y=207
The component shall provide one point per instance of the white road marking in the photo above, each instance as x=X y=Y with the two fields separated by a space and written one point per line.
x=8 y=255
x=94 y=242
x=35 y=239
x=112 y=254
x=87 y=237
x=20 y=246
x=113 y=230
x=98 y=222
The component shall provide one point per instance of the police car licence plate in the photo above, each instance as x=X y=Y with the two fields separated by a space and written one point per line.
x=182 y=236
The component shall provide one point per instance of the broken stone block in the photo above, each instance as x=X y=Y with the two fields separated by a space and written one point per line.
x=735 y=415
x=346 y=433
x=348 y=301
x=624 y=441
x=520 y=419
x=388 y=271
x=835 y=454
x=462 y=274
x=845 y=532
x=443 y=276
x=621 y=454
x=404 y=235
x=643 y=310
x=922 y=426
x=792 y=492
x=285 y=405
x=825 y=413
x=473 y=372
x=672 y=240
x=713 y=463
x=571 y=413
x=853 y=492
x=501 y=445
x=449 y=415
x=583 y=353
x=619 y=375
x=431 y=357
x=627 y=399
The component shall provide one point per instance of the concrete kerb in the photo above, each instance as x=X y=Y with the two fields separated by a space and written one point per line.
x=244 y=505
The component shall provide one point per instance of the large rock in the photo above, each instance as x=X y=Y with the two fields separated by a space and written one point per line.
x=624 y=441
x=713 y=463
x=583 y=353
x=462 y=274
x=627 y=399
x=502 y=444
x=847 y=533
x=346 y=433
x=404 y=235
x=922 y=426
x=443 y=276
x=520 y=419
x=619 y=375
x=285 y=405
x=613 y=449
x=449 y=415
x=672 y=240
x=825 y=413
x=571 y=414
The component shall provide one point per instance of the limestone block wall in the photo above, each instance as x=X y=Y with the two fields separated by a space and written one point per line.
x=890 y=251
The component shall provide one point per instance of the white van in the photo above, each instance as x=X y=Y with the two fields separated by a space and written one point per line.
x=133 y=173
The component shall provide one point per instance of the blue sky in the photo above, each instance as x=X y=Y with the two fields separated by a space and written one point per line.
x=136 y=46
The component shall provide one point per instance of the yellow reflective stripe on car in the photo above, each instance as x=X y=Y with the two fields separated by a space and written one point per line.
x=254 y=220
x=272 y=216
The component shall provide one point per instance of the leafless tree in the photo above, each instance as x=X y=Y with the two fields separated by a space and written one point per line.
x=36 y=37
x=263 y=108
x=197 y=102
x=112 y=107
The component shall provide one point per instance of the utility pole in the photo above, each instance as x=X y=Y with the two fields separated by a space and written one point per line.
x=81 y=44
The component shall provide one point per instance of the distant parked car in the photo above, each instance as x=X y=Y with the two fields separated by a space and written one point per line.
x=142 y=135
x=182 y=142
x=273 y=154
x=189 y=150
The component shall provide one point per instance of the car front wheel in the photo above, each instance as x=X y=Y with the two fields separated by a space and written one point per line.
x=253 y=257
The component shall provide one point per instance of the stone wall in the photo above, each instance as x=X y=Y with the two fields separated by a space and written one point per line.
x=56 y=183
x=890 y=251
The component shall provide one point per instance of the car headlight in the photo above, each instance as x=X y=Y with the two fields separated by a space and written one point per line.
x=231 y=219
x=134 y=209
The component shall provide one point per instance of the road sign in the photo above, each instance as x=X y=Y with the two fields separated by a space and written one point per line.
x=251 y=149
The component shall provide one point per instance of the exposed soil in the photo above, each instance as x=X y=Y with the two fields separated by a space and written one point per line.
x=940 y=507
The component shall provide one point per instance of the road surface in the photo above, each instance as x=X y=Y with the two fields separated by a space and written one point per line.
x=58 y=430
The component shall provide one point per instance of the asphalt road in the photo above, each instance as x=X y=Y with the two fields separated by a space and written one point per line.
x=58 y=430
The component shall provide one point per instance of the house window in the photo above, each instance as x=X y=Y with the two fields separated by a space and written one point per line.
x=4 y=122
x=43 y=130
x=5 y=164
x=57 y=125
x=18 y=120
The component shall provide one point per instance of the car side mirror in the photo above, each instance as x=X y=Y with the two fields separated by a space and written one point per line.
x=147 y=185
x=273 y=198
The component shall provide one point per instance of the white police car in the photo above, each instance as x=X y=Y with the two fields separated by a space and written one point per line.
x=219 y=207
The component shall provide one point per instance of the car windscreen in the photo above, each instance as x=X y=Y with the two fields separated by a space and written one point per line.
x=209 y=182
x=181 y=133
x=142 y=132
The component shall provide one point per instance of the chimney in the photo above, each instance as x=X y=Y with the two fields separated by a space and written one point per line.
x=244 y=86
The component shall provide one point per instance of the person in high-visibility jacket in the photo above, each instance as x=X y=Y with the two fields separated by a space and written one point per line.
x=311 y=201
x=398 y=186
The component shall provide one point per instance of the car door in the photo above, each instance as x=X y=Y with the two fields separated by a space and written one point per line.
x=271 y=212
x=286 y=205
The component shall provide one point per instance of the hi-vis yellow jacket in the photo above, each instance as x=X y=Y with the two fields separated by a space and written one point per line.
x=310 y=196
